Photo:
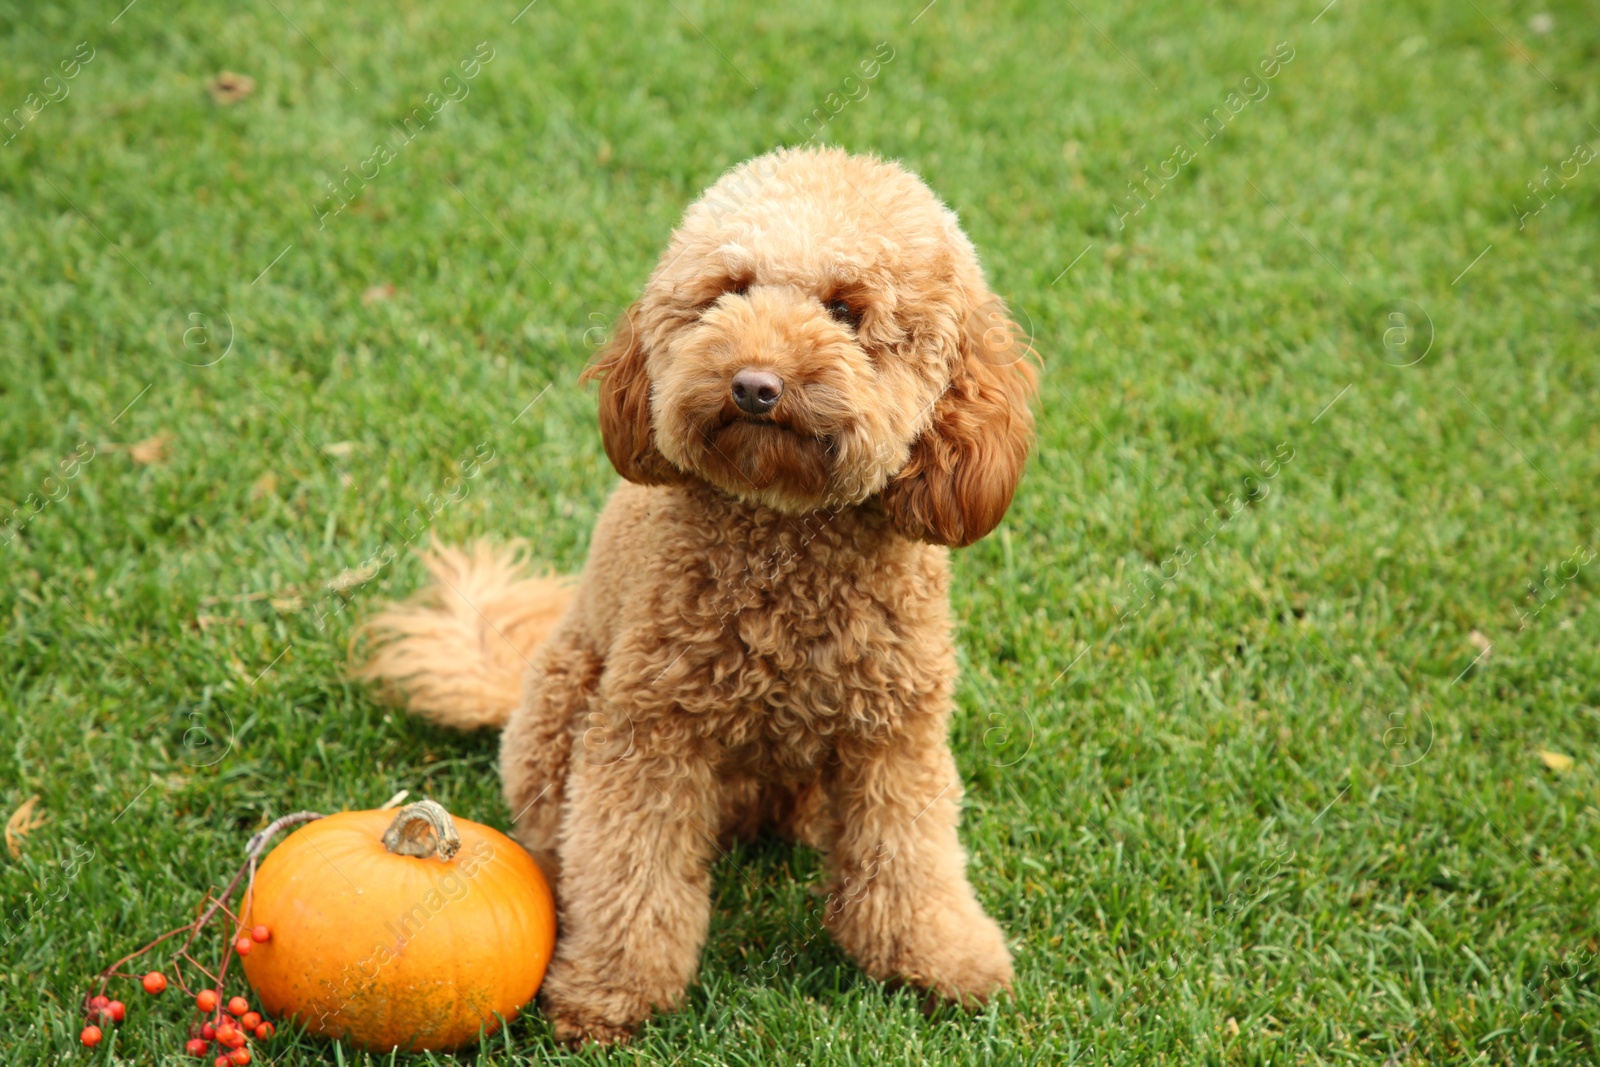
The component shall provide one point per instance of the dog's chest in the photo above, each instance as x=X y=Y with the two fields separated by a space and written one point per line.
x=794 y=635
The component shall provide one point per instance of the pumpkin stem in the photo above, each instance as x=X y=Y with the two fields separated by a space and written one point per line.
x=422 y=830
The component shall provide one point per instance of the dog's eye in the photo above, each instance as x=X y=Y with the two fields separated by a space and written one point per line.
x=843 y=312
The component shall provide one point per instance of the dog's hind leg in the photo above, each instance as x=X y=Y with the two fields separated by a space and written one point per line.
x=537 y=744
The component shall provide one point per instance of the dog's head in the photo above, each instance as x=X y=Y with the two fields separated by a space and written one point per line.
x=819 y=335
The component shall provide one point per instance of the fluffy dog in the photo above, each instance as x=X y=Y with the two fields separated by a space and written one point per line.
x=815 y=395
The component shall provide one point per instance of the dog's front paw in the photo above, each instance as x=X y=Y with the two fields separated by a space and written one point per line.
x=959 y=955
x=572 y=1025
x=584 y=1006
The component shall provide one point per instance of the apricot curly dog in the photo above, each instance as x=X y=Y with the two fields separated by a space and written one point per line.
x=815 y=395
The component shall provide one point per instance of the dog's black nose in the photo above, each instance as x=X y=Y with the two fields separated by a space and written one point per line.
x=756 y=391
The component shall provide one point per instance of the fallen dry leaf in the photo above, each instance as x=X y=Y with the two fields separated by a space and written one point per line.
x=264 y=486
x=340 y=449
x=230 y=88
x=22 y=823
x=375 y=293
x=151 y=449
x=1556 y=761
x=1478 y=641
x=1232 y=1026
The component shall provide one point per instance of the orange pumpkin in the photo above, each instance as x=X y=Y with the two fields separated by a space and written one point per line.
x=411 y=934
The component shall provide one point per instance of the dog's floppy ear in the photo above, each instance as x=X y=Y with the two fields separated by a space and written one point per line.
x=964 y=468
x=625 y=427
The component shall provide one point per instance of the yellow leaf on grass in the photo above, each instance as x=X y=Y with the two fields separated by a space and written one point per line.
x=22 y=823
x=1555 y=761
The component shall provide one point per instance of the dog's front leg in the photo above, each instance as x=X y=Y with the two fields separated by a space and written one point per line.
x=901 y=903
x=635 y=898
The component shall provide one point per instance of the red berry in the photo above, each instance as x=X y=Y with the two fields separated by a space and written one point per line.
x=230 y=1036
x=117 y=1010
x=261 y=933
x=243 y=946
x=239 y=1057
x=90 y=1036
x=206 y=1000
x=196 y=1047
x=250 y=1021
x=98 y=1003
x=154 y=982
x=225 y=1031
x=222 y=1061
x=264 y=1031
x=238 y=1006
x=208 y=1031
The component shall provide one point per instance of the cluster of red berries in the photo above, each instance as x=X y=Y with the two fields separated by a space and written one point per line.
x=102 y=1009
x=230 y=1034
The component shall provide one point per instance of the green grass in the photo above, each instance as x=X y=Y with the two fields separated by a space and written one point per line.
x=1281 y=788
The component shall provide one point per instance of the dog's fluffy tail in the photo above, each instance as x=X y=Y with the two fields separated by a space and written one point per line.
x=456 y=652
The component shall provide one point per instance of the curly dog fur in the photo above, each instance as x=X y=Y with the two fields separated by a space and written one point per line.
x=762 y=634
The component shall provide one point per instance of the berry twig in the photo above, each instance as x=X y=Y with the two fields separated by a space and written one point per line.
x=98 y=1008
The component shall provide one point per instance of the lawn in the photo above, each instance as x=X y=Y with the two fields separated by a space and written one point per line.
x=1281 y=692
